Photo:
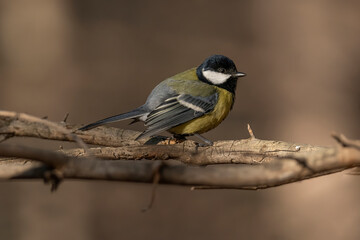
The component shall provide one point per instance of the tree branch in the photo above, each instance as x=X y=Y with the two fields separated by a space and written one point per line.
x=264 y=163
x=15 y=124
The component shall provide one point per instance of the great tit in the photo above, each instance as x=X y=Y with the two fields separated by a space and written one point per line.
x=189 y=103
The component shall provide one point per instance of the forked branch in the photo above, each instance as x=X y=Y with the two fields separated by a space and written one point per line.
x=244 y=164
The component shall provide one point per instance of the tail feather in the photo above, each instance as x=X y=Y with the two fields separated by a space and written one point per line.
x=136 y=113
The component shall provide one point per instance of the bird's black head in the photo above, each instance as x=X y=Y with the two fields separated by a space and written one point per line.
x=220 y=71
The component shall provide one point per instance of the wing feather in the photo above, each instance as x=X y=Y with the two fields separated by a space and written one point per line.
x=177 y=110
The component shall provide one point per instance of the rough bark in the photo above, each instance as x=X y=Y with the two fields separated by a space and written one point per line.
x=244 y=164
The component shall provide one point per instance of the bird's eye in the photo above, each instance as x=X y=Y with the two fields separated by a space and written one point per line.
x=221 y=70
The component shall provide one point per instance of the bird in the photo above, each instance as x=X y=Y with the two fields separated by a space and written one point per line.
x=187 y=104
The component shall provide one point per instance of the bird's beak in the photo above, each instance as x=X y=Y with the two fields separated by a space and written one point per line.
x=239 y=74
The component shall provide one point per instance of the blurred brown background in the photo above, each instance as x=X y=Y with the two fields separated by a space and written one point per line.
x=94 y=59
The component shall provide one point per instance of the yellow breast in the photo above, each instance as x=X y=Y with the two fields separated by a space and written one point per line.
x=210 y=120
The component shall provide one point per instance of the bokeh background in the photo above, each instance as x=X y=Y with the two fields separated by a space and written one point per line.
x=94 y=59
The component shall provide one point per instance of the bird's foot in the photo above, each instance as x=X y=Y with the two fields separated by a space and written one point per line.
x=175 y=139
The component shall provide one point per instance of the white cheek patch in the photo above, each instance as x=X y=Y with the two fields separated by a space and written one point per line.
x=215 y=77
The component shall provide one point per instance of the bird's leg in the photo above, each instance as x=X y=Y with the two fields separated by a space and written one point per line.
x=179 y=137
x=182 y=137
x=205 y=140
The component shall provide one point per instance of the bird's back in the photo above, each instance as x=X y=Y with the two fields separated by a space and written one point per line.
x=185 y=82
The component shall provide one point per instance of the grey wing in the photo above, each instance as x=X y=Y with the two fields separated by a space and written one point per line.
x=177 y=110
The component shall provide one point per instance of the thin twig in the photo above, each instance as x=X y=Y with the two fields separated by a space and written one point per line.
x=345 y=142
x=65 y=118
x=156 y=179
x=251 y=133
